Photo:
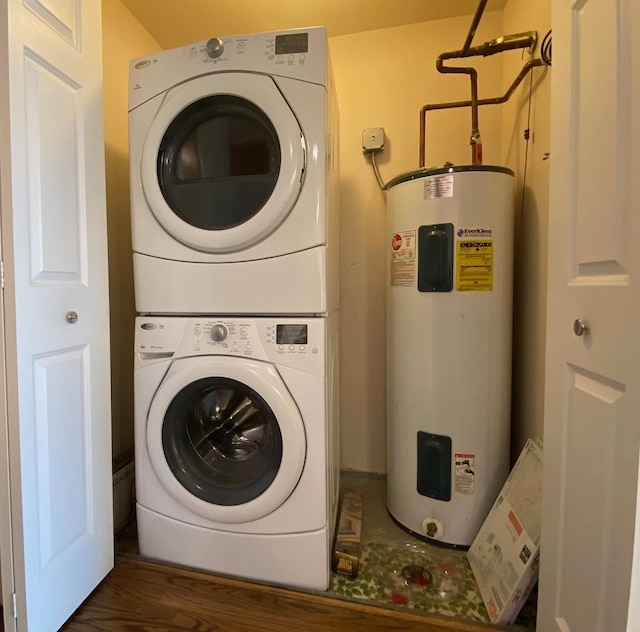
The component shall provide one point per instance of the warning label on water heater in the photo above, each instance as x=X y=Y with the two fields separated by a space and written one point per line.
x=438 y=187
x=403 y=258
x=465 y=473
x=474 y=270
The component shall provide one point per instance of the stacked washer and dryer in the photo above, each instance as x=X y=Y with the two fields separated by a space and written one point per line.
x=233 y=164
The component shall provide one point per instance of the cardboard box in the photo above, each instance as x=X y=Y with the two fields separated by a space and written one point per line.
x=346 y=554
x=505 y=555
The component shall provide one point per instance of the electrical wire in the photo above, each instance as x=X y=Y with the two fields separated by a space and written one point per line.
x=527 y=136
x=545 y=49
x=374 y=164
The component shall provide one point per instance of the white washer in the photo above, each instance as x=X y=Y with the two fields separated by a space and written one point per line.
x=233 y=166
x=236 y=445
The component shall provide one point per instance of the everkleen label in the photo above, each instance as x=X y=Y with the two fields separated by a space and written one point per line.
x=474 y=233
x=403 y=258
x=474 y=265
x=465 y=473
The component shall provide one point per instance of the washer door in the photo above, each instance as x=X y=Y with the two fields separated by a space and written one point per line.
x=223 y=161
x=225 y=438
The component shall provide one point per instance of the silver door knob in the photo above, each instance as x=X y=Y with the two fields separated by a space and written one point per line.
x=579 y=327
x=72 y=317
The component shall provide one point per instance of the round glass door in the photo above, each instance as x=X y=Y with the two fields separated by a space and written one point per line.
x=222 y=441
x=218 y=162
x=223 y=161
x=226 y=438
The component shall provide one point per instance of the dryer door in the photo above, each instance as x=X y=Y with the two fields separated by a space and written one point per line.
x=223 y=161
x=226 y=438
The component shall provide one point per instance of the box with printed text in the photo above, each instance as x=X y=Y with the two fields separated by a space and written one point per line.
x=505 y=555
x=346 y=553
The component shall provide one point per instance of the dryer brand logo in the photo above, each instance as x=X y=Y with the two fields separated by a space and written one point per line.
x=474 y=232
x=143 y=64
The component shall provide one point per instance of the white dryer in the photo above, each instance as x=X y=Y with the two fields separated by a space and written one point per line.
x=233 y=165
x=236 y=445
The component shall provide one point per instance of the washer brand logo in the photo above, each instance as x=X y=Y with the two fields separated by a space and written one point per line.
x=143 y=64
x=474 y=232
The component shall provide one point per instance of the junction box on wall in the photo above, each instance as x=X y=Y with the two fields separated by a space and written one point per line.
x=373 y=139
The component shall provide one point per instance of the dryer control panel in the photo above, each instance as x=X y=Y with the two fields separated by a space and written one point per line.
x=296 y=342
x=297 y=53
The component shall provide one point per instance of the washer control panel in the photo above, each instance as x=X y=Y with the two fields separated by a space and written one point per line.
x=224 y=336
x=290 y=341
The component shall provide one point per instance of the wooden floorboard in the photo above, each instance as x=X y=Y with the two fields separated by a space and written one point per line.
x=141 y=596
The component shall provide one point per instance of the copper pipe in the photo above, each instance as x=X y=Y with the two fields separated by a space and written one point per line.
x=510 y=42
x=473 y=75
x=474 y=25
x=533 y=63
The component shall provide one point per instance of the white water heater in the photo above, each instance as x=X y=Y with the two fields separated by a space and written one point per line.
x=449 y=318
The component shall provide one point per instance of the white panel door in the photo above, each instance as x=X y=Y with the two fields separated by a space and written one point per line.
x=55 y=307
x=592 y=407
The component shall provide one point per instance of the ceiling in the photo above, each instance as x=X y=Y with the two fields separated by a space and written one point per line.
x=175 y=23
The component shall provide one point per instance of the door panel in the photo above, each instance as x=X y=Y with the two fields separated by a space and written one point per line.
x=592 y=397
x=60 y=15
x=57 y=244
x=55 y=308
x=595 y=444
x=600 y=179
x=62 y=430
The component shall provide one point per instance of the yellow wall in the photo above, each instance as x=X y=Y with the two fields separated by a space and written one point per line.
x=530 y=273
x=123 y=39
x=383 y=78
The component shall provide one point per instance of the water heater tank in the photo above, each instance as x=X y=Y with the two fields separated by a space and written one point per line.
x=449 y=317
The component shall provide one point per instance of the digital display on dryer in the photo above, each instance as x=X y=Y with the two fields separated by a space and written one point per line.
x=291 y=334
x=292 y=43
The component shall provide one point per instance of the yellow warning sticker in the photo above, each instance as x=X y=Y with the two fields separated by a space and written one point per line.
x=474 y=271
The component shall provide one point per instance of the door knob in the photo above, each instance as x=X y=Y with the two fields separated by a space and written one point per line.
x=579 y=327
x=72 y=317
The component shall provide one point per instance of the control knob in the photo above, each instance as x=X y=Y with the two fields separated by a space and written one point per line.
x=218 y=333
x=215 y=47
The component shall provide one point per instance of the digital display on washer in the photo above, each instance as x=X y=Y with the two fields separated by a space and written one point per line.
x=291 y=334
x=292 y=43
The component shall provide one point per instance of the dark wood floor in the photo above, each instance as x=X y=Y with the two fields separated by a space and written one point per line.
x=140 y=596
